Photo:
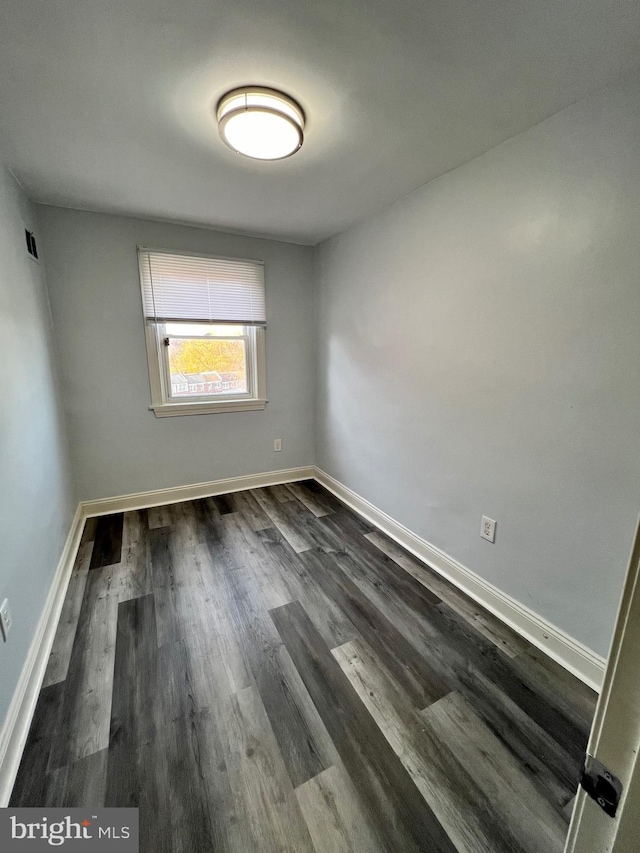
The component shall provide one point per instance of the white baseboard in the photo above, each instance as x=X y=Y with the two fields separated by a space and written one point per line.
x=15 y=729
x=571 y=654
x=158 y=497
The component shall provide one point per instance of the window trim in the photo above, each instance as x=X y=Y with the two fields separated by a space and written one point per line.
x=164 y=406
x=170 y=410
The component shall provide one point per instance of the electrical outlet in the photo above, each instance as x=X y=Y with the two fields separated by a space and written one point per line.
x=277 y=444
x=5 y=619
x=488 y=529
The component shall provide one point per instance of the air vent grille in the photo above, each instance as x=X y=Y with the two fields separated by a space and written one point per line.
x=31 y=244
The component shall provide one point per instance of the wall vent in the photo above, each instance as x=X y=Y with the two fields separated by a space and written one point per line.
x=31 y=244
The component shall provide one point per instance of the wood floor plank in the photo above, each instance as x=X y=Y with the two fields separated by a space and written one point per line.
x=243 y=598
x=209 y=673
x=489 y=626
x=163 y=584
x=134 y=573
x=32 y=786
x=463 y=657
x=320 y=740
x=135 y=523
x=320 y=536
x=459 y=653
x=204 y=602
x=107 y=548
x=272 y=817
x=137 y=776
x=383 y=572
x=551 y=768
x=130 y=578
x=554 y=770
x=392 y=589
x=58 y=663
x=197 y=786
x=186 y=531
x=245 y=503
x=313 y=501
x=89 y=530
x=321 y=494
x=279 y=519
x=459 y=803
x=336 y=819
x=135 y=679
x=209 y=687
x=214 y=656
x=440 y=645
x=159 y=516
x=248 y=554
x=537 y=825
x=328 y=618
x=160 y=556
x=280 y=492
x=205 y=516
x=222 y=504
x=173 y=566
x=85 y=721
x=81 y=784
x=421 y=682
x=513 y=681
x=394 y=804
x=225 y=826
x=348 y=526
x=304 y=744
x=452 y=645
x=575 y=700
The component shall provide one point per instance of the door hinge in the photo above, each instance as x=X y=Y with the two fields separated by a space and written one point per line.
x=601 y=785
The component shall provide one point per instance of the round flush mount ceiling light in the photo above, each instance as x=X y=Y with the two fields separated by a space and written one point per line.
x=261 y=123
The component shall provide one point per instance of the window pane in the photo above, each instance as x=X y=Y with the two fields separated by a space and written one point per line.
x=207 y=368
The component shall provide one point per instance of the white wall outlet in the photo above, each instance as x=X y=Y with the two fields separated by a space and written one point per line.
x=5 y=619
x=488 y=529
x=277 y=444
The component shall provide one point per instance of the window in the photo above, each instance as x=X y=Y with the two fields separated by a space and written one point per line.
x=205 y=326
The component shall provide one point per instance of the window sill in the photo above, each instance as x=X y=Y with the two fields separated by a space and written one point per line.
x=171 y=410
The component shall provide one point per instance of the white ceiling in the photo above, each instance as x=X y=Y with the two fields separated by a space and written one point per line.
x=108 y=104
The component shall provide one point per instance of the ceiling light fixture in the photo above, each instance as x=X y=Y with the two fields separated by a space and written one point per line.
x=261 y=123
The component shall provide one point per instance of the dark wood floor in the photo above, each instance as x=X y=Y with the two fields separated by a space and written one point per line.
x=264 y=671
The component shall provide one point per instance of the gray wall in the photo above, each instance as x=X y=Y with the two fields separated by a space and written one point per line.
x=36 y=494
x=118 y=445
x=479 y=353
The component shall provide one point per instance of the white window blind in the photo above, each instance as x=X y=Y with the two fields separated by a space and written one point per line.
x=185 y=288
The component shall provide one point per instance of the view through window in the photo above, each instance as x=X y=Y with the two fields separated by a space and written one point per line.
x=206 y=360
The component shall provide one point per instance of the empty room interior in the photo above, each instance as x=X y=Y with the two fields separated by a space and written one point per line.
x=319 y=432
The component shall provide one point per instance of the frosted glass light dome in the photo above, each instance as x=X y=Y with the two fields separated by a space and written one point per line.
x=260 y=123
